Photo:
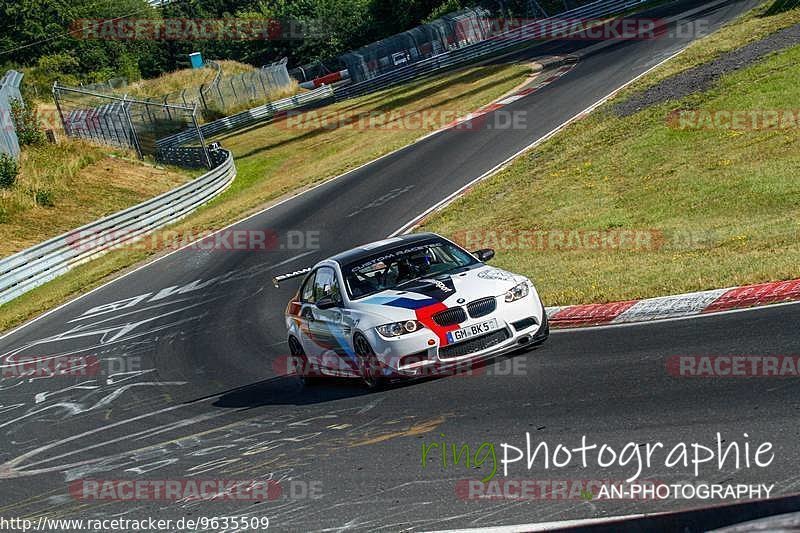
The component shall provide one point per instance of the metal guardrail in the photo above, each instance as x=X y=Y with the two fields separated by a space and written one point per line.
x=9 y=90
x=39 y=264
x=496 y=45
x=247 y=118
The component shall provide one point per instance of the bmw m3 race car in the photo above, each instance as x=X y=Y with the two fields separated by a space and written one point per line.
x=408 y=306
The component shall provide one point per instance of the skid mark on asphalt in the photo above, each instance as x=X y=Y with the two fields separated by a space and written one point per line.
x=416 y=429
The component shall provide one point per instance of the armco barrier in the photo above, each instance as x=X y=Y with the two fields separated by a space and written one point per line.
x=39 y=264
x=247 y=118
x=9 y=90
x=496 y=45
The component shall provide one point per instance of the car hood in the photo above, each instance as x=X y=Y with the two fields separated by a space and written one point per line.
x=448 y=290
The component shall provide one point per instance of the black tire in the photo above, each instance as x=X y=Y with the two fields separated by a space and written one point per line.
x=300 y=358
x=368 y=365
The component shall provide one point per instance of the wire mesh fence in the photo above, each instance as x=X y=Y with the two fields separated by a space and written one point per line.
x=227 y=94
x=9 y=91
x=128 y=123
x=449 y=32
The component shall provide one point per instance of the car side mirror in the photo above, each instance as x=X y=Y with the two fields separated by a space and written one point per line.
x=484 y=254
x=326 y=302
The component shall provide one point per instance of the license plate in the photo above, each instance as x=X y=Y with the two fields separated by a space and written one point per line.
x=471 y=331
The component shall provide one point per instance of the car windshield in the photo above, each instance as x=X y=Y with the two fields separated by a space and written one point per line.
x=393 y=268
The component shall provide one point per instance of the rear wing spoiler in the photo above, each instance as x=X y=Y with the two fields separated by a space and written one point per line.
x=283 y=277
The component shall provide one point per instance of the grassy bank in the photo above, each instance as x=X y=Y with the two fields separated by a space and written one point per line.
x=61 y=187
x=718 y=204
x=174 y=82
x=278 y=158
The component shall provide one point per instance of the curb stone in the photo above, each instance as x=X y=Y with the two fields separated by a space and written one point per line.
x=676 y=306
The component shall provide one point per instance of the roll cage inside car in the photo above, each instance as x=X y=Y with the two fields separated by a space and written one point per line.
x=393 y=268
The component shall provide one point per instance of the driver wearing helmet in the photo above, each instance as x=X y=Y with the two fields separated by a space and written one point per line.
x=414 y=266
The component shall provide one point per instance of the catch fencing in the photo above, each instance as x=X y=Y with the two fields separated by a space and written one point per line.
x=449 y=32
x=497 y=45
x=249 y=117
x=226 y=93
x=124 y=122
x=9 y=91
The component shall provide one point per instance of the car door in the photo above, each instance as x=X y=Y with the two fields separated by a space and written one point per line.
x=306 y=317
x=324 y=338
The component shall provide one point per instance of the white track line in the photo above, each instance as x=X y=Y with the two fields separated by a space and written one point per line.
x=547 y=526
x=404 y=229
x=410 y=226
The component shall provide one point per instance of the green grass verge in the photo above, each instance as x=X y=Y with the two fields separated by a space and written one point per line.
x=63 y=186
x=723 y=204
x=279 y=158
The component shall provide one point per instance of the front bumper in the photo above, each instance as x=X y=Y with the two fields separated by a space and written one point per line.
x=522 y=323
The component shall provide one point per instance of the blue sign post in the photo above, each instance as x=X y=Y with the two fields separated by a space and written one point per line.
x=197 y=60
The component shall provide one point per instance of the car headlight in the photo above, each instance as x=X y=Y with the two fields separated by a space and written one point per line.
x=518 y=292
x=395 y=329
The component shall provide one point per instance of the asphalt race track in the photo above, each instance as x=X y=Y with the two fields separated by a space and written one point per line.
x=203 y=335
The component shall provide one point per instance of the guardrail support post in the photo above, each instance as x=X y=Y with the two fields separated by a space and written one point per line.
x=200 y=136
x=134 y=136
x=58 y=108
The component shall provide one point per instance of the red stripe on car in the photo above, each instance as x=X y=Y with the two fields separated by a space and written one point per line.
x=425 y=316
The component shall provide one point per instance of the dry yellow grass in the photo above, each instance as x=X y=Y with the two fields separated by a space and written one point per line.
x=273 y=160
x=719 y=204
x=82 y=182
x=178 y=80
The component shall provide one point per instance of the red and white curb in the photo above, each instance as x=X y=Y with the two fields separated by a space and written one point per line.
x=677 y=306
x=510 y=99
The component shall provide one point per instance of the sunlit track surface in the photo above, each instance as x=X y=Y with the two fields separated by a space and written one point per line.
x=202 y=333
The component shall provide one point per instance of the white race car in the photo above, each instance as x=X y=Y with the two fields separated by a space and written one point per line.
x=408 y=306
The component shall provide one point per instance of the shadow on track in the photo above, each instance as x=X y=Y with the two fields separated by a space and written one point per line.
x=288 y=390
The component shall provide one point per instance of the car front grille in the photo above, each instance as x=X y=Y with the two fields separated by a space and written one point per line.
x=475 y=344
x=449 y=317
x=482 y=307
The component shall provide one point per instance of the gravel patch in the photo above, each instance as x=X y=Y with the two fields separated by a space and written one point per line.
x=704 y=76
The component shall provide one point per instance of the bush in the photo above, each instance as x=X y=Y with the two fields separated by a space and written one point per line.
x=26 y=122
x=9 y=170
x=44 y=198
